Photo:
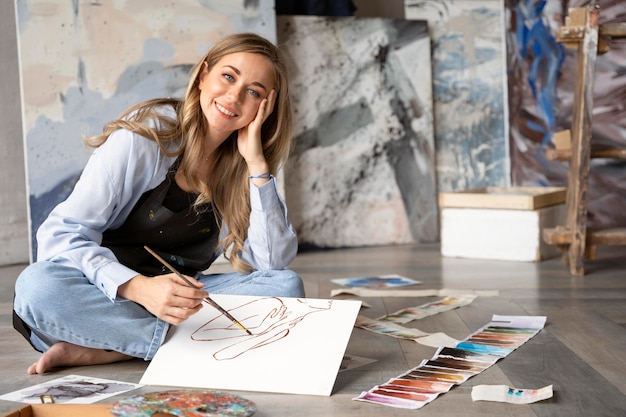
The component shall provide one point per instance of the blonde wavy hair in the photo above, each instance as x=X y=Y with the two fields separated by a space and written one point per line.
x=227 y=187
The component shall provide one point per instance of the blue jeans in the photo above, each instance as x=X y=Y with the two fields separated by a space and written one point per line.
x=57 y=303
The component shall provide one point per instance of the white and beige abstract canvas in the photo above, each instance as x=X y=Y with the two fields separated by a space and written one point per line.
x=83 y=62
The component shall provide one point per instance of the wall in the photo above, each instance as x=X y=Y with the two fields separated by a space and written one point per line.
x=13 y=221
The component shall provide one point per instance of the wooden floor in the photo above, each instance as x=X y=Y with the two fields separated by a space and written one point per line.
x=581 y=351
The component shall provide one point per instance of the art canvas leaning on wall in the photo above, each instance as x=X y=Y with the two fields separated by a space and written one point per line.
x=83 y=63
x=469 y=82
x=363 y=171
x=536 y=61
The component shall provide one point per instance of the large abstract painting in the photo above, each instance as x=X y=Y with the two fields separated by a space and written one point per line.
x=469 y=82
x=541 y=76
x=363 y=169
x=84 y=62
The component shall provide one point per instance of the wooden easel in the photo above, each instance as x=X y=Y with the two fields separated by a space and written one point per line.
x=582 y=32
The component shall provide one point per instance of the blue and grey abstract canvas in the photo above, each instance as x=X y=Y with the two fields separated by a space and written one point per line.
x=363 y=172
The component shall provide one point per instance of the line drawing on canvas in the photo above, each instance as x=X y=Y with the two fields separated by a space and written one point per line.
x=269 y=319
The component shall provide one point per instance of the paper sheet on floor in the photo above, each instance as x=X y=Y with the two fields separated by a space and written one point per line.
x=429 y=309
x=70 y=389
x=369 y=292
x=382 y=281
x=401 y=332
x=506 y=394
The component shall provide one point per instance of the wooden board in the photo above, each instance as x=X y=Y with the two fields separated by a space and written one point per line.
x=514 y=198
x=61 y=410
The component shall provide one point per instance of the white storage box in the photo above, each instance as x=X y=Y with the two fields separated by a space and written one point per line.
x=500 y=223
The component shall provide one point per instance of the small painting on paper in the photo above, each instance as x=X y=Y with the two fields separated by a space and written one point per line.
x=383 y=281
x=70 y=389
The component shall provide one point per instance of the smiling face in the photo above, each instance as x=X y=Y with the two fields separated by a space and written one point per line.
x=231 y=92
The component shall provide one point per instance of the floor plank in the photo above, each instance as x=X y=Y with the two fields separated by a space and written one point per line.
x=579 y=389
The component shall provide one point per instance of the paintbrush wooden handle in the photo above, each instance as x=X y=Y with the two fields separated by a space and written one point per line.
x=207 y=299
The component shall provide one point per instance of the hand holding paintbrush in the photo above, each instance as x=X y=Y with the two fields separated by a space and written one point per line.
x=207 y=299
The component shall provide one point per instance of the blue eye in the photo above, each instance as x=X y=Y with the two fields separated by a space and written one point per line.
x=229 y=77
x=254 y=93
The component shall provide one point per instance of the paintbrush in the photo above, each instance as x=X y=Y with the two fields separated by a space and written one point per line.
x=207 y=299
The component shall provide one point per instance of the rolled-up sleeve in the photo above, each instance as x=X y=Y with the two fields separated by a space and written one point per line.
x=272 y=242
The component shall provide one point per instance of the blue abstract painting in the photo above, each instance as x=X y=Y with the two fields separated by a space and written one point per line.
x=469 y=90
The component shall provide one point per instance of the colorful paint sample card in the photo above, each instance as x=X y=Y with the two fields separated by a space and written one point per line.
x=503 y=335
x=506 y=394
x=400 y=332
x=454 y=365
x=429 y=309
x=384 y=281
x=447 y=352
x=297 y=346
x=70 y=389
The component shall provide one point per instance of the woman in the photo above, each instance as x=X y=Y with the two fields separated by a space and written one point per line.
x=191 y=179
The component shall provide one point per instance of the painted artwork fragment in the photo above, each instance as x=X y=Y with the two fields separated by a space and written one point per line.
x=82 y=63
x=383 y=281
x=70 y=389
x=469 y=81
x=541 y=76
x=363 y=169
x=297 y=346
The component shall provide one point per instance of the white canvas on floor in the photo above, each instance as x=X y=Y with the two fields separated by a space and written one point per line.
x=297 y=346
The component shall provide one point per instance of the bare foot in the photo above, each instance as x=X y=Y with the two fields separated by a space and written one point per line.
x=67 y=354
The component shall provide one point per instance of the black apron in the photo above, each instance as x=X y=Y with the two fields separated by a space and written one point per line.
x=165 y=220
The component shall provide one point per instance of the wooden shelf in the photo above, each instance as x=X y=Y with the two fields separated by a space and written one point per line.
x=563 y=236
x=512 y=198
x=577 y=242
x=614 y=30
x=566 y=154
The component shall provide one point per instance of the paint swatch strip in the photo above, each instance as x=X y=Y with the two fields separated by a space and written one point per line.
x=395 y=330
x=506 y=394
x=429 y=309
x=452 y=366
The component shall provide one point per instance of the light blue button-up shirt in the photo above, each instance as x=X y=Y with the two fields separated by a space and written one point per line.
x=116 y=175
